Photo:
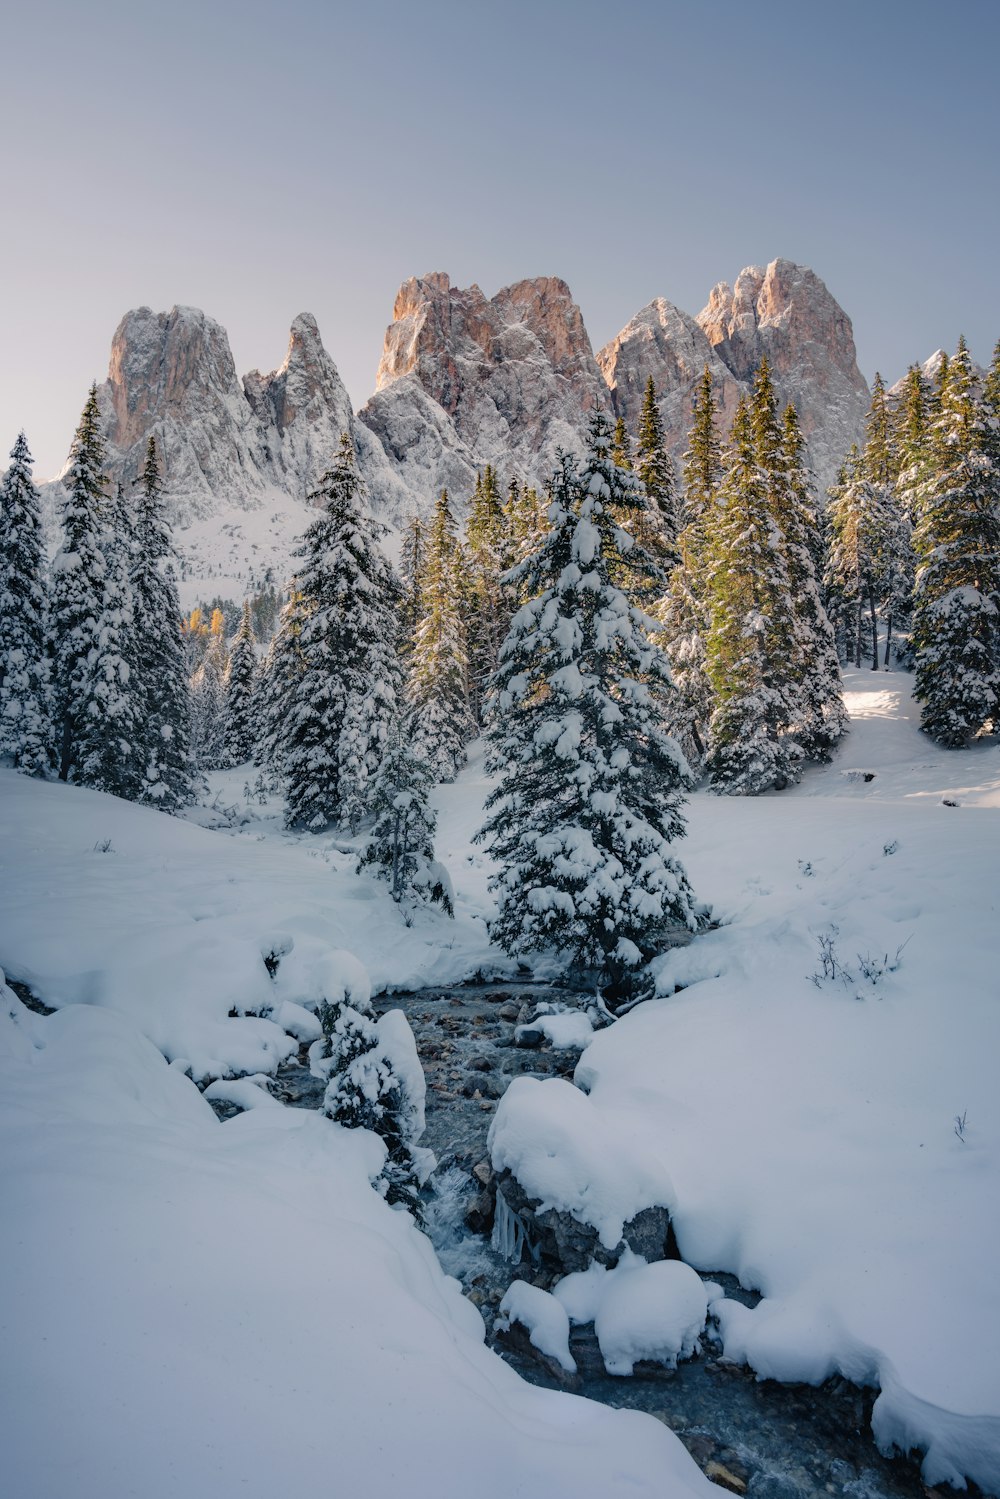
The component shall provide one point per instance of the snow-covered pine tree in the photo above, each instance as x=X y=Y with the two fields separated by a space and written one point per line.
x=822 y=718
x=749 y=645
x=659 y=525
x=367 y=1090
x=113 y=761
x=882 y=462
x=527 y=520
x=588 y=799
x=870 y=564
x=411 y=568
x=25 y=716
x=207 y=706
x=621 y=445
x=342 y=693
x=277 y=678
x=956 y=623
x=241 y=693
x=488 y=551
x=684 y=608
x=95 y=724
x=440 y=719
x=159 y=655
x=401 y=846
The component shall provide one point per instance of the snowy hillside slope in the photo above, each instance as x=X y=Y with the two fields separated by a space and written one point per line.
x=834 y=1143
x=810 y=1129
x=191 y=1307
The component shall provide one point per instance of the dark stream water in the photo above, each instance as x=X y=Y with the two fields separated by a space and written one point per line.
x=767 y=1440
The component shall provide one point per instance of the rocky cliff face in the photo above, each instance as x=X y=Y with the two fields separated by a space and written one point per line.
x=787 y=313
x=669 y=345
x=466 y=380
x=238 y=459
x=783 y=311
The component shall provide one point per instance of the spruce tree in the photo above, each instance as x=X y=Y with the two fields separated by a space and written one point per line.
x=822 y=717
x=207 y=707
x=95 y=725
x=241 y=693
x=440 y=718
x=401 y=846
x=956 y=626
x=115 y=760
x=25 y=715
x=659 y=524
x=159 y=655
x=410 y=573
x=343 y=681
x=621 y=445
x=684 y=610
x=487 y=548
x=750 y=641
x=588 y=800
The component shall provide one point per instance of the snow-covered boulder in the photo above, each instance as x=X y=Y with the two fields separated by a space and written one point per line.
x=576 y=1184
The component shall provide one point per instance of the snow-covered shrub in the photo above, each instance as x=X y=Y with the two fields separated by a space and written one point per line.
x=376 y=1083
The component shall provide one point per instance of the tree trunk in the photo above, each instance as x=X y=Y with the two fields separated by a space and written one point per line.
x=888 y=639
x=871 y=605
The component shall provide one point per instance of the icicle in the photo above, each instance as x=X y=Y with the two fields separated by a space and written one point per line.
x=510 y=1237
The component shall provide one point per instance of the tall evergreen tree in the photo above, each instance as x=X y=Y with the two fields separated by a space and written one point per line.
x=956 y=628
x=684 y=609
x=207 y=706
x=241 y=693
x=621 y=445
x=95 y=722
x=344 y=683
x=488 y=548
x=659 y=525
x=159 y=654
x=401 y=847
x=25 y=718
x=750 y=641
x=440 y=718
x=822 y=717
x=588 y=800
x=410 y=571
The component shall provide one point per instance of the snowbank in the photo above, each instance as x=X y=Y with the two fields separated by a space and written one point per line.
x=543 y=1316
x=811 y=1128
x=596 y=1164
x=106 y=903
x=193 y=1307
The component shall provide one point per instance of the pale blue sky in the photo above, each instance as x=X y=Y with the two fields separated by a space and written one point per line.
x=259 y=160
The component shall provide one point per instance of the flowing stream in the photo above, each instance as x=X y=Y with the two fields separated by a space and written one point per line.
x=761 y=1438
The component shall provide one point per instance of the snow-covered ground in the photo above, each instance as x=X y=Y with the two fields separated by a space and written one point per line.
x=191 y=1306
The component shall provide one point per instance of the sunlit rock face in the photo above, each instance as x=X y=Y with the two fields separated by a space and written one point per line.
x=668 y=345
x=466 y=380
x=787 y=313
x=784 y=312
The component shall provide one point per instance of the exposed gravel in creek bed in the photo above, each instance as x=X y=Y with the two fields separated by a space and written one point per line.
x=767 y=1440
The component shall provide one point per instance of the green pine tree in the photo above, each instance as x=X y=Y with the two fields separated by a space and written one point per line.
x=440 y=718
x=956 y=626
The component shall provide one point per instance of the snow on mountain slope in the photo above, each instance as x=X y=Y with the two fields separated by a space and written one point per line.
x=810 y=1128
x=464 y=380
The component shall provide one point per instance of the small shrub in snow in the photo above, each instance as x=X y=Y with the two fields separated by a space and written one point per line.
x=874 y=968
x=831 y=968
x=960 y=1125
